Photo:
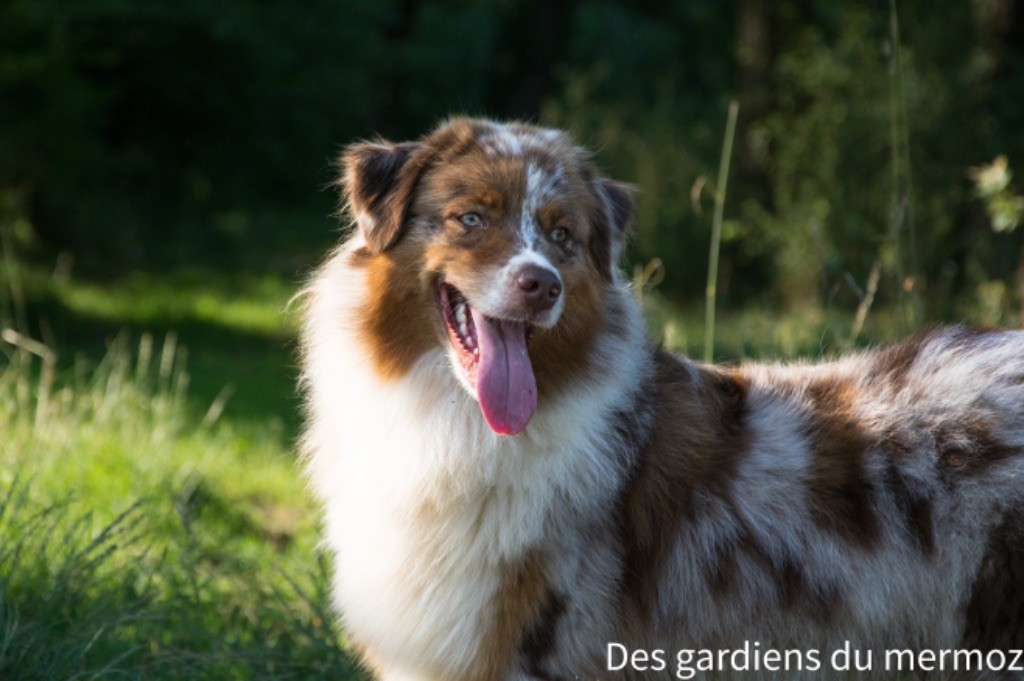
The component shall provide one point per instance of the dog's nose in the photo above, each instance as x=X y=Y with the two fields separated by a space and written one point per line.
x=540 y=287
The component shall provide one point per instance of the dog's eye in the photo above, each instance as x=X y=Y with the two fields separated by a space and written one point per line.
x=558 y=235
x=471 y=220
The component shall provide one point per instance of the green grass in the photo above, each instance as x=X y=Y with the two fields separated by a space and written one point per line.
x=155 y=523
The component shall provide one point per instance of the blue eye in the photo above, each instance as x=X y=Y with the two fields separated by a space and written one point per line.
x=471 y=220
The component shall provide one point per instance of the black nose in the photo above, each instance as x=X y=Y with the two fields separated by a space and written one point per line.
x=540 y=287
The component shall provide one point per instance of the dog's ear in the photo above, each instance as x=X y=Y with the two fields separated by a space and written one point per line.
x=612 y=215
x=378 y=180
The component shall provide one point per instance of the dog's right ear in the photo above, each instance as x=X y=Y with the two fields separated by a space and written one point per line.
x=614 y=211
x=378 y=180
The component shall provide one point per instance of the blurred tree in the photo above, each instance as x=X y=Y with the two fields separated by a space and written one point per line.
x=158 y=133
x=143 y=130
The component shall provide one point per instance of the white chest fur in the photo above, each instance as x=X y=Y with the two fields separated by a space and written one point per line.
x=423 y=503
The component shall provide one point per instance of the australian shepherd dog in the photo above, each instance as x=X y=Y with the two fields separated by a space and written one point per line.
x=518 y=483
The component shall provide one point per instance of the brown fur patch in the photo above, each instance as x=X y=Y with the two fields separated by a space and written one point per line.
x=795 y=589
x=841 y=493
x=699 y=439
x=819 y=600
x=518 y=609
x=894 y=362
x=475 y=182
x=541 y=639
x=399 y=318
x=994 y=616
x=721 y=569
x=914 y=502
x=564 y=352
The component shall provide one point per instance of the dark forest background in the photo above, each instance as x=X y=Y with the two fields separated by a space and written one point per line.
x=156 y=134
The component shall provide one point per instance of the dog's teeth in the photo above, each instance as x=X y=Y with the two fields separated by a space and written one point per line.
x=460 y=314
x=464 y=328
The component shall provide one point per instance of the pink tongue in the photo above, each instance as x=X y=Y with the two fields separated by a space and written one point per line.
x=505 y=385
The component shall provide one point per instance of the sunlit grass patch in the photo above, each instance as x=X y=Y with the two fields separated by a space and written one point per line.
x=248 y=304
x=237 y=327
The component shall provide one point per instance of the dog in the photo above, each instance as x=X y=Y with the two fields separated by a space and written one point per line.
x=517 y=483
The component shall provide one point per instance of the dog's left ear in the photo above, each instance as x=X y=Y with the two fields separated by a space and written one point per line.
x=613 y=214
x=378 y=180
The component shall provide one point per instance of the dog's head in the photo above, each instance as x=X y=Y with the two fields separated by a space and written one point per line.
x=498 y=241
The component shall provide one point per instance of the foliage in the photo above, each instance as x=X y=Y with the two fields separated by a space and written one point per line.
x=992 y=185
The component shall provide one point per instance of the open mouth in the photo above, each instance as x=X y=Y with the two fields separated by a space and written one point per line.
x=493 y=356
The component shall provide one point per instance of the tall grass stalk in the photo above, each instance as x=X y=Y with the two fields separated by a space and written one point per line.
x=711 y=290
x=46 y=376
x=901 y=210
x=14 y=283
x=866 y=301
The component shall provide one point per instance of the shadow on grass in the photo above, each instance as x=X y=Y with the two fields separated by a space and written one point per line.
x=249 y=370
